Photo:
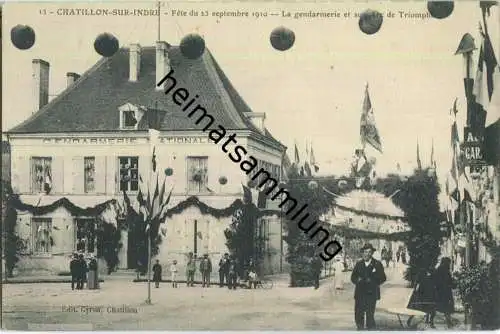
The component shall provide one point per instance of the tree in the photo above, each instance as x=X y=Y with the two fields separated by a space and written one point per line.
x=419 y=201
x=13 y=245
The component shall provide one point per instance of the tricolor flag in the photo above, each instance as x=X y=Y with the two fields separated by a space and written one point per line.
x=433 y=162
x=307 y=167
x=297 y=156
x=368 y=128
x=313 y=161
x=419 y=162
x=483 y=83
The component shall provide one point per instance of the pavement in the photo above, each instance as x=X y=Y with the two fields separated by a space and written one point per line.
x=120 y=305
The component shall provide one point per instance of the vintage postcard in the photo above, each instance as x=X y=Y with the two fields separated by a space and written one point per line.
x=228 y=165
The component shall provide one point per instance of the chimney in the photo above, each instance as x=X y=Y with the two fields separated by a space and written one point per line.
x=71 y=78
x=135 y=62
x=40 y=83
x=257 y=119
x=162 y=62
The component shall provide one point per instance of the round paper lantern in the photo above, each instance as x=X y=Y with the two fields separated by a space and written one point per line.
x=169 y=171
x=22 y=36
x=342 y=184
x=440 y=9
x=106 y=44
x=223 y=180
x=192 y=46
x=282 y=38
x=313 y=185
x=370 y=21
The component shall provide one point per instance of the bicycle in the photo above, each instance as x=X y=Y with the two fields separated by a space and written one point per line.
x=264 y=283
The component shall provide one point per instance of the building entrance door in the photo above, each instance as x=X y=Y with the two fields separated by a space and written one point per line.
x=86 y=235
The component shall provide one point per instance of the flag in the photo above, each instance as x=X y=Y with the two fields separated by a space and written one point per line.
x=368 y=129
x=483 y=84
x=285 y=167
x=307 y=169
x=419 y=163
x=454 y=110
x=313 y=161
x=297 y=157
x=433 y=162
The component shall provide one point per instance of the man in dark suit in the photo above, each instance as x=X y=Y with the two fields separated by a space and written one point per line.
x=73 y=268
x=368 y=274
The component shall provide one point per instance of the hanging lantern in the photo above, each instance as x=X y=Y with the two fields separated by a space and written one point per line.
x=106 y=44
x=192 y=46
x=313 y=185
x=370 y=21
x=169 y=171
x=223 y=180
x=22 y=36
x=342 y=184
x=440 y=9
x=282 y=38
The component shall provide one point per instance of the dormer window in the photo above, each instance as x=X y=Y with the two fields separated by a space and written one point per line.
x=130 y=116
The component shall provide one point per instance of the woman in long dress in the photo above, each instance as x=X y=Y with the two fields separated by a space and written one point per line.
x=93 y=282
x=444 y=290
x=423 y=297
x=338 y=266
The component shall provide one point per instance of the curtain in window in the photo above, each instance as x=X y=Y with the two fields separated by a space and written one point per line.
x=41 y=171
x=42 y=235
x=197 y=174
x=89 y=174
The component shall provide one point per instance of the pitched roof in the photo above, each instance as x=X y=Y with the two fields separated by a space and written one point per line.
x=92 y=102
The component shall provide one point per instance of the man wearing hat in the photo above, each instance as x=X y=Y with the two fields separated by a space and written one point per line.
x=368 y=274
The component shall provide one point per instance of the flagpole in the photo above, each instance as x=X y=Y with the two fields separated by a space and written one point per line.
x=148 y=301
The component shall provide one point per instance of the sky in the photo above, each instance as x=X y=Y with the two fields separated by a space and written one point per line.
x=312 y=92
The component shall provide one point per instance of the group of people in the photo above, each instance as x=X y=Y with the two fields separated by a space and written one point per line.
x=386 y=256
x=228 y=272
x=82 y=273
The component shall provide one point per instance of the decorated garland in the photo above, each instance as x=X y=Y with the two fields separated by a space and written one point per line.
x=108 y=235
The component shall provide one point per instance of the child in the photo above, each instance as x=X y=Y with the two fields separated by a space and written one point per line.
x=252 y=278
x=157 y=273
x=173 y=271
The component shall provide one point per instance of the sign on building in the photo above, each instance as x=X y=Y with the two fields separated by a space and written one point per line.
x=472 y=149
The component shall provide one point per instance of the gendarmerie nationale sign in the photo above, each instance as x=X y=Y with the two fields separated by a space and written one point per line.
x=120 y=141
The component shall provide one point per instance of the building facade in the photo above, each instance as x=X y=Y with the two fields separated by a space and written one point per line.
x=89 y=145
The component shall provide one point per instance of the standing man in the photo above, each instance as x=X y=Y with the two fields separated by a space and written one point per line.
x=157 y=273
x=82 y=272
x=190 y=269
x=317 y=265
x=368 y=274
x=206 y=270
x=73 y=268
x=233 y=274
x=224 y=270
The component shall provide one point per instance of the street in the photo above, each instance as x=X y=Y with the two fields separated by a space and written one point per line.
x=119 y=305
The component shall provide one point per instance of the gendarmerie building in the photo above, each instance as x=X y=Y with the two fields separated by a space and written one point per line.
x=88 y=146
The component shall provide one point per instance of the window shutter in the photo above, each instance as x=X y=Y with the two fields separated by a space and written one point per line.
x=57 y=175
x=21 y=174
x=58 y=234
x=100 y=174
x=78 y=175
x=111 y=174
x=145 y=167
x=68 y=176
